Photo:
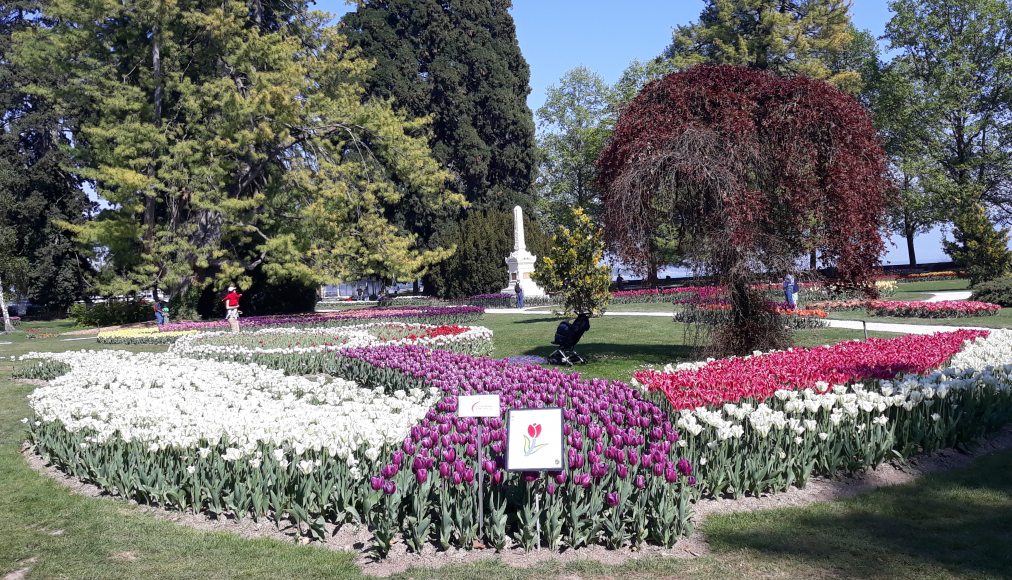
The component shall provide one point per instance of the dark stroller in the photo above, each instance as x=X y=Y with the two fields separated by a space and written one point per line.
x=567 y=335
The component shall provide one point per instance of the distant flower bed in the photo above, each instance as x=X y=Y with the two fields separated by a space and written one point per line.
x=930 y=276
x=147 y=335
x=310 y=351
x=838 y=305
x=944 y=309
x=798 y=318
x=758 y=377
x=677 y=295
x=425 y=314
x=505 y=300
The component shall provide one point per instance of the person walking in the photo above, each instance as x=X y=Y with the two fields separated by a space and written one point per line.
x=520 y=294
x=159 y=313
x=790 y=291
x=232 y=308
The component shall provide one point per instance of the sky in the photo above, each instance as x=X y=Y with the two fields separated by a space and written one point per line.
x=605 y=36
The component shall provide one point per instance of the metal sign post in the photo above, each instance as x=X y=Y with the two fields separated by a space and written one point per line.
x=479 y=406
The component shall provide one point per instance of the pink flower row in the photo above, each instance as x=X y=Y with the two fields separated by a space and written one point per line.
x=758 y=377
x=944 y=309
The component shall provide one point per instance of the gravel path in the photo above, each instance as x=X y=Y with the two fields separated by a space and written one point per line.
x=952 y=295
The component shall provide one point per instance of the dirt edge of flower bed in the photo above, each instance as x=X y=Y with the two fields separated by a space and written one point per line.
x=356 y=539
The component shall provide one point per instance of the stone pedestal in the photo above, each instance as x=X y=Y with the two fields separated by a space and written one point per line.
x=520 y=263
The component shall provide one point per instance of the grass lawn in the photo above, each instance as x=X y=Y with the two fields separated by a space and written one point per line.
x=956 y=525
x=933 y=285
x=1001 y=320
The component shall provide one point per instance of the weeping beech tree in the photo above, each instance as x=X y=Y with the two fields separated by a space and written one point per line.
x=744 y=172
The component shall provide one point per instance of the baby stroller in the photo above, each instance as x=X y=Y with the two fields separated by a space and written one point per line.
x=567 y=335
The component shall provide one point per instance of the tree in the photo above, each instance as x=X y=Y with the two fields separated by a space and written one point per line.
x=751 y=170
x=574 y=268
x=459 y=62
x=484 y=239
x=955 y=56
x=978 y=249
x=576 y=121
x=801 y=37
x=37 y=192
x=227 y=137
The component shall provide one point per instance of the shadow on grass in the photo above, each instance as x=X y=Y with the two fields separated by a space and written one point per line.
x=643 y=353
x=957 y=524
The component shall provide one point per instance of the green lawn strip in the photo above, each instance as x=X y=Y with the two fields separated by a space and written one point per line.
x=618 y=345
x=956 y=524
x=1001 y=320
x=933 y=285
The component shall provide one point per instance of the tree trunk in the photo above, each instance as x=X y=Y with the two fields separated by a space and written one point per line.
x=8 y=325
x=813 y=261
x=909 y=234
x=150 y=202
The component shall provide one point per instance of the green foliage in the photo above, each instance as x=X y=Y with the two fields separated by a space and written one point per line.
x=38 y=257
x=573 y=268
x=111 y=312
x=812 y=38
x=998 y=291
x=229 y=139
x=458 y=62
x=576 y=121
x=483 y=240
x=954 y=71
x=978 y=248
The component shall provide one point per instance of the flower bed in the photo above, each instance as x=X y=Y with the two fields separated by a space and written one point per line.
x=222 y=437
x=505 y=300
x=677 y=295
x=309 y=351
x=423 y=314
x=839 y=305
x=943 y=309
x=797 y=318
x=147 y=335
x=623 y=481
x=759 y=377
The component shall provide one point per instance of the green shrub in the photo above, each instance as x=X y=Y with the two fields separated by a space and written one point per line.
x=45 y=369
x=996 y=292
x=112 y=312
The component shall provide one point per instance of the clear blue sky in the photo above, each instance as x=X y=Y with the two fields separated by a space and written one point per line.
x=603 y=35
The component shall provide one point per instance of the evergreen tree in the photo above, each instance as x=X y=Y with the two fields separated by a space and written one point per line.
x=978 y=248
x=228 y=137
x=37 y=193
x=458 y=61
x=484 y=239
x=802 y=37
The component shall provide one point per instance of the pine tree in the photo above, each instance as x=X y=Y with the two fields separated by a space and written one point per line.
x=228 y=137
x=458 y=61
x=37 y=193
x=803 y=37
x=978 y=248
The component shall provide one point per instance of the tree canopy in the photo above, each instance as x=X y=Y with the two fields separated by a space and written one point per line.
x=751 y=170
x=227 y=137
x=458 y=62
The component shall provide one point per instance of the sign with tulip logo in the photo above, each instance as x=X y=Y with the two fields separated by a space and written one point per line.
x=534 y=440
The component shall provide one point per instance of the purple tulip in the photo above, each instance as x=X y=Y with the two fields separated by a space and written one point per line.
x=389 y=471
x=560 y=478
x=422 y=475
x=683 y=467
x=550 y=488
x=611 y=499
x=622 y=471
x=389 y=488
x=640 y=482
x=444 y=470
x=376 y=483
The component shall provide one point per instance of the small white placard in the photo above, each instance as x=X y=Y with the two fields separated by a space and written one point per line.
x=478 y=406
x=534 y=440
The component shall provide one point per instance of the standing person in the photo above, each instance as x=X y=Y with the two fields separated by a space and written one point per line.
x=619 y=282
x=520 y=294
x=159 y=313
x=165 y=312
x=232 y=308
x=790 y=291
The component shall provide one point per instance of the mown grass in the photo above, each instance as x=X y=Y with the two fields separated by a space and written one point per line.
x=955 y=525
x=1001 y=320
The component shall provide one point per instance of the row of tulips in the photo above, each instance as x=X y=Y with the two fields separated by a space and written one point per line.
x=310 y=351
x=145 y=335
x=623 y=483
x=796 y=318
x=942 y=309
x=759 y=376
x=221 y=438
x=506 y=300
x=438 y=315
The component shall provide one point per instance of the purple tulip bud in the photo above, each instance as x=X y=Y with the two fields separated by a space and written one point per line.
x=634 y=457
x=471 y=450
x=409 y=447
x=550 y=488
x=422 y=475
x=692 y=480
x=530 y=476
x=489 y=466
x=389 y=488
x=640 y=482
x=389 y=471
x=398 y=458
x=449 y=454
x=497 y=477
x=658 y=469
x=611 y=499
x=671 y=475
x=444 y=469
x=376 y=483
x=457 y=478
x=469 y=475
x=560 y=478
x=683 y=467
x=622 y=471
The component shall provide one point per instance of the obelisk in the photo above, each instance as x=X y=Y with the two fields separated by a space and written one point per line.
x=520 y=263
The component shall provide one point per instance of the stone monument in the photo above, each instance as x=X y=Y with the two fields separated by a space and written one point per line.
x=521 y=262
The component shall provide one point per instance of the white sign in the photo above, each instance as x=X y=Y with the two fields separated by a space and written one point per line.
x=534 y=440
x=478 y=406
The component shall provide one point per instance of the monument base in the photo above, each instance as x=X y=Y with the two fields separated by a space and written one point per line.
x=521 y=267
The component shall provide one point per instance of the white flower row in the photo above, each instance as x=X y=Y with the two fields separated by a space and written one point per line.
x=169 y=401
x=361 y=335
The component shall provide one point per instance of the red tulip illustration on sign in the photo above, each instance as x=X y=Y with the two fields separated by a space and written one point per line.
x=531 y=443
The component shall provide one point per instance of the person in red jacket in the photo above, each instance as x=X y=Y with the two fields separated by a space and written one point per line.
x=232 y=308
